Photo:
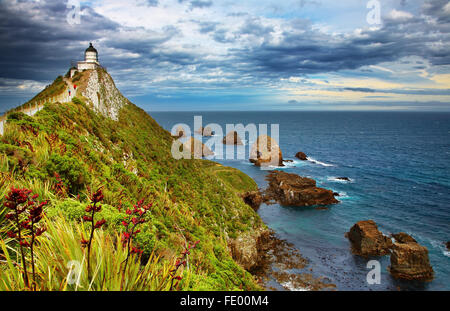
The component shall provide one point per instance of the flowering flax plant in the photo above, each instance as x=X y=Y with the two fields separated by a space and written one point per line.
x=91 y=210
x=181 y=261
x=25 y=215
x=133 y=218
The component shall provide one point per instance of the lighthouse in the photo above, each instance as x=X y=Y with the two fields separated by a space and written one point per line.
x=90 y=61
x=91 y=54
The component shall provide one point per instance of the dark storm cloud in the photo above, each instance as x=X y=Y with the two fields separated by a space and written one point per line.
x=37 y=39
x=308 y=51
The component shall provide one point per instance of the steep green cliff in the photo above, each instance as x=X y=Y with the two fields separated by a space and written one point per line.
x=114 y=145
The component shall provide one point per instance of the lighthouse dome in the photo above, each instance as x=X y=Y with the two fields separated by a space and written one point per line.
x=91 y=54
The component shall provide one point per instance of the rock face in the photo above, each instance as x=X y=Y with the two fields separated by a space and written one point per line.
x=367 y=240
x=101 y=92
x=265 y=152
x=301 y=156
x=205 y=131
x=245 y=249
x=253 y=198
x=402 y=237
x=232 y=138
x=294 y=190
x=409 y=259
x=200 y=151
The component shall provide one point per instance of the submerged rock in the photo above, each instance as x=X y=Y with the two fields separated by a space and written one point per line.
x=266 y=152
x=409 y=259
x=294 y=190
x=232 y=138
x=301 y=156
x=253 y=198
x=367 y=240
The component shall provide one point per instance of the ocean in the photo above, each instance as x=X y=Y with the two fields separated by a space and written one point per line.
x=399 y=169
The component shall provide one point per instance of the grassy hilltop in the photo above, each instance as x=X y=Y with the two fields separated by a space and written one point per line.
x=66 y=152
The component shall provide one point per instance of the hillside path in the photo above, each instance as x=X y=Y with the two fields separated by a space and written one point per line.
x=33 y=109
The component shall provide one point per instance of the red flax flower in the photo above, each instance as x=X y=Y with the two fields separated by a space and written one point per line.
x=60 y=188
x=25 y=215
x=91 y=210
x=182 y=261
x=133 y=218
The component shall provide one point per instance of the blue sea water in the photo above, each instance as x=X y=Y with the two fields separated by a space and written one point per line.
x=399 y=166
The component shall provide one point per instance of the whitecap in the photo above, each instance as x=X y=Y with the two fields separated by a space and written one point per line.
x=312 y=160
x=343 y=195
x=336 y=179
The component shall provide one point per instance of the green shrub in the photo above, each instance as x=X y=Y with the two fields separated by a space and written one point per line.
x=71 y=170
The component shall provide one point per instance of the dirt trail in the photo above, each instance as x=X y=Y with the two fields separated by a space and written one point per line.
x=61 y=98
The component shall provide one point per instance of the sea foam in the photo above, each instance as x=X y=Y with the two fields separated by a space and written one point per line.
x=312 y=160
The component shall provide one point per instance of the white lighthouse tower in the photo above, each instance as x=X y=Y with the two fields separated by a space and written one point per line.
x=90 y=60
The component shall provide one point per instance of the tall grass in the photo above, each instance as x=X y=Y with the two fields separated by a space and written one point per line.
x=61 y=263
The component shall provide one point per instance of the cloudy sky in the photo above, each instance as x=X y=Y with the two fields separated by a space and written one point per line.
x=237 y=55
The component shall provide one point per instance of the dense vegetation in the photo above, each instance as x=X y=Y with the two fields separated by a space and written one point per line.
x=67 y=152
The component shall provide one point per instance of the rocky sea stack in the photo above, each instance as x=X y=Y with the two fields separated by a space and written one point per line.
x=409 y=259
x=266 y=152
x=294 y=190
x=301 y=156
x=367 y=240
x=232 y=138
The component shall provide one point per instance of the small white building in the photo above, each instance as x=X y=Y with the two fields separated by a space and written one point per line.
x=90 y=61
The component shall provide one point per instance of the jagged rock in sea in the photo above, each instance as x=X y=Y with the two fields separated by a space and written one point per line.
x=197 y=148
x=301 y=156
x=253 y=199
x=409 y=259
x=367 y=240
x=232 y=138
x=245 y=249
x=205 y=131
x=448 y=245
x=266 y=152
x=294 y=190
